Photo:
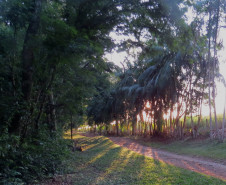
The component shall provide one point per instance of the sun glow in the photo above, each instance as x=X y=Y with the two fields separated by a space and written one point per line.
x=84 y=127
x=147 y=116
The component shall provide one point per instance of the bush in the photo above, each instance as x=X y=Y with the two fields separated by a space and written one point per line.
x=36 y=158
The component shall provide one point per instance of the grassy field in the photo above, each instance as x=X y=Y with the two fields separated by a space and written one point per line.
x=103 y=162
x=203 y=120
x=200 y=148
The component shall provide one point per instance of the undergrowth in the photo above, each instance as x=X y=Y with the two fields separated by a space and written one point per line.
x=35 y=158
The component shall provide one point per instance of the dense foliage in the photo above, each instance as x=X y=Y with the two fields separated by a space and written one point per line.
x=51 y=62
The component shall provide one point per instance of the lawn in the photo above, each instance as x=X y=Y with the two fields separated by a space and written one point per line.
x=103 y=162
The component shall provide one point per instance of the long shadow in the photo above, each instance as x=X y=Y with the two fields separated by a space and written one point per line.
x=106 y=163
x=167 y=171
x=120 y=168
x=96 y=161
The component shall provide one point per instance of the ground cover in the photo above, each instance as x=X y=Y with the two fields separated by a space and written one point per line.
x=103 y=162
x=194 y=147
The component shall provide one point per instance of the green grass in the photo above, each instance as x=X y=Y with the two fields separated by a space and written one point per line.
x=103 y=162
x=200 y=148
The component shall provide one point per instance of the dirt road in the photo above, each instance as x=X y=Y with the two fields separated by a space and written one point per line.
x=207 y=167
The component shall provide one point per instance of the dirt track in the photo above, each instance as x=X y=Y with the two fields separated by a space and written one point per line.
x=191 y=163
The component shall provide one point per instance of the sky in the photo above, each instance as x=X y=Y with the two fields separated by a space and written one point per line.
x=221 y=95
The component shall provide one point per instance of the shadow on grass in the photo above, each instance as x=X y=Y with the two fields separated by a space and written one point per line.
x=107 y=163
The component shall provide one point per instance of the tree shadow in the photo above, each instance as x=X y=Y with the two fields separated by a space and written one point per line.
x=107 y=163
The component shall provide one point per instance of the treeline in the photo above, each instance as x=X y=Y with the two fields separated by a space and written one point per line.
x=175 y=73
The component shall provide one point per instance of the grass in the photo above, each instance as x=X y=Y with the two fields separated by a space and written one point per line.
x=103 y=162
x=200 y=148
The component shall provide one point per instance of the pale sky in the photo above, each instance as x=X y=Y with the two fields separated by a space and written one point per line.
x=220 y=99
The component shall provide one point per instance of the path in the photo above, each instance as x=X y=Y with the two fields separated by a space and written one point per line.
x=195 y=164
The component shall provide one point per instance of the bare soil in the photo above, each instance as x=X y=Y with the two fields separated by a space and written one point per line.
x=204 y=166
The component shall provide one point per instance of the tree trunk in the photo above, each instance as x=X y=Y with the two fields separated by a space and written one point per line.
x=52 y=113
x=181 y=130
x=192 y=126
x=154 y=125
x=120 y=124
x=27 y=61
x=141 y=122
x=43 y=95
x=177 y=120
x=215 y=114
x=223 y=125
x=209 y=77
x=107 y=129
x=128 y=129
x=145 y=129
x=150 y=131
x=95 y=129
x=210 y=110
x=191 y=106
x=185 y=116
x=71 y=127
x=171 y=121
x=134 y=122
x=184 y=125
x=28 y=49
x=100 y=129
x=214 y=67
x=201 y=102
x=117 y=128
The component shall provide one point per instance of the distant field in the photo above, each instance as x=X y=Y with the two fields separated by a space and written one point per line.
x=204 y=121
x=103 y=162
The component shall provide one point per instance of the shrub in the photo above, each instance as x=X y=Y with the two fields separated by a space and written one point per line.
x=37 y=157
